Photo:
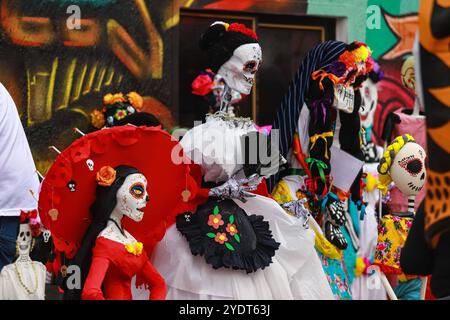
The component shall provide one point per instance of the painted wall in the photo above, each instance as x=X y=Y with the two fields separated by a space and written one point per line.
x=58 y=73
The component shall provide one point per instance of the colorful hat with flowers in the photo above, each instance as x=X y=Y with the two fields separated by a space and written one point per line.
x=356 y=61
x=227 y=237
x=116 y=107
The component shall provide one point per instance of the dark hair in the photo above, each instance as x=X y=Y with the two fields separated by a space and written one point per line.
x=220 y=44
x=139 y=119
x=101 y=209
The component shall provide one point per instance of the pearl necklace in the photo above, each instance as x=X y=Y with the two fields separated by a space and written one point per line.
x=19 y=276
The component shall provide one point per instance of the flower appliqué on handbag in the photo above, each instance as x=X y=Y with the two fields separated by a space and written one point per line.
x=215 y=221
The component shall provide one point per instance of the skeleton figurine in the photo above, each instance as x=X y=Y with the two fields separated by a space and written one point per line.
x=24 y=279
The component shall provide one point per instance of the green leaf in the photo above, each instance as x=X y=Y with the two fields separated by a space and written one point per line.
x=237 y=238
x=211 y=235
x=229 y=246
x=216 y=210
x=231 y=219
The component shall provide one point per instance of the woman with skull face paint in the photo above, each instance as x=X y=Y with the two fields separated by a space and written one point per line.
x=96 y=213
x=117 y=255
x=237 y=245
x=404 y=164
x=24 y=279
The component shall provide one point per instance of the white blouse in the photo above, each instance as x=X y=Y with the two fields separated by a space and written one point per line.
x=11 y=287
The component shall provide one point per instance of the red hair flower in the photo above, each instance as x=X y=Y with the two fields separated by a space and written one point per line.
x=221 y=238
x=215 y=221
x=202 y=85
x=239 y=27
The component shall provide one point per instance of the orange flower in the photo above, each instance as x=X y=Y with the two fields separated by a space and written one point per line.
x=106 y=176
x=113 y=98
x=221 y=238
x=136 y=100
x=231 y=229
x=97 y=119
x=215 y=221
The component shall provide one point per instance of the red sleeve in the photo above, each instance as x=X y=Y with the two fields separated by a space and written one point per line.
x=154 y=280
x=92 y=289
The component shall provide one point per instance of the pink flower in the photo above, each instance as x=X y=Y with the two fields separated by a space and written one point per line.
x=202 y=85
x=215 y=221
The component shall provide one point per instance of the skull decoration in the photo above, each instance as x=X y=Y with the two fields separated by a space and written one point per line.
x=408 y=169
x=90 y=164
x=24 y=240
x=240 y=70
x=132 y=197
x=369 y=96
x=71 y=185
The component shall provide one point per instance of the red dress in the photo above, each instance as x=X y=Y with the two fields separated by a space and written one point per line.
x=112 y=269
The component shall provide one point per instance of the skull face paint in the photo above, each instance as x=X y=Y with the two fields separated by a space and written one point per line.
x=132 y=197
x=369 y=96
x=240 y=70
x=24 y=238
x=408 y=169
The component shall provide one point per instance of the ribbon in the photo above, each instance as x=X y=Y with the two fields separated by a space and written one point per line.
x=327 y=196
x=324 y=136
x=362 y=211
x=323 y=74
x=25 y=215
x=135 y=248
x=321 y=166
x=316 y=104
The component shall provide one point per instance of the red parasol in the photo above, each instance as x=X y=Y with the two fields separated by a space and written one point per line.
x=68 y=190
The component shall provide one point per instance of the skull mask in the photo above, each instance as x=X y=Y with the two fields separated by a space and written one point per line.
x=132 y=197
x=369 y=96
x=24 y=240
x=240 y=70
x=408 y=169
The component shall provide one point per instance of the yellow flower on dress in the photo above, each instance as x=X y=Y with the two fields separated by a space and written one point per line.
x=135 y=248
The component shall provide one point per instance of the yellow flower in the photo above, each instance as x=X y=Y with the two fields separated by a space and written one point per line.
x=120 y=114
x=97 y=119
x=135 y=248
x=135 y=100
x=360 y=266
x=113 y=98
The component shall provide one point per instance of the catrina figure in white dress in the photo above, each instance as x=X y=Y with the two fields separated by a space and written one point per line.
x=24 y=279
x=237 y=244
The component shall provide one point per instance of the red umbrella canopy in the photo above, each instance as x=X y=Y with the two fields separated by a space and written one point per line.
x=69 y=188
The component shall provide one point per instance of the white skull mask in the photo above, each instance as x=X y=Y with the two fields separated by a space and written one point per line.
x=408 y=169
x=369 y=95
x=132 y=197
x=24 y=239
x=240 y=70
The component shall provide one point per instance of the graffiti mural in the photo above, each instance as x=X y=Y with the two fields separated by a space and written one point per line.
x=392 y=42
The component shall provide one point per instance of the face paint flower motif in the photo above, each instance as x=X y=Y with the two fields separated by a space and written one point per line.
x=106 y=176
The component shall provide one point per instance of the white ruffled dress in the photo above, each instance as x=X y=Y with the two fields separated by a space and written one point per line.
x=296 y=271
